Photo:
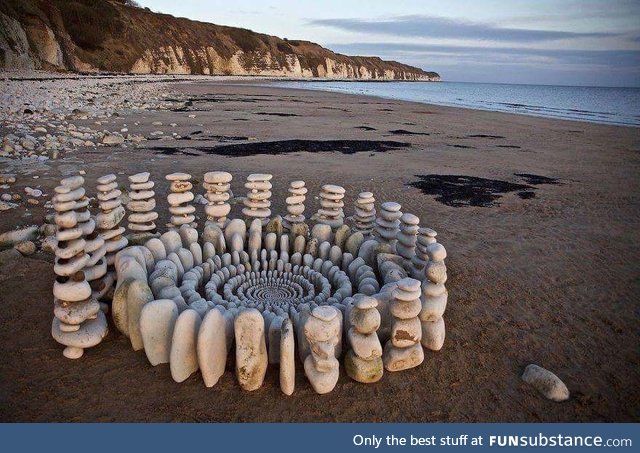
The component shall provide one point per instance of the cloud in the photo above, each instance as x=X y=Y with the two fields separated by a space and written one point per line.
x=611 y=58
x=441 y=27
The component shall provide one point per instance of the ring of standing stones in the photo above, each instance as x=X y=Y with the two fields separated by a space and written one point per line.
x=368 y=290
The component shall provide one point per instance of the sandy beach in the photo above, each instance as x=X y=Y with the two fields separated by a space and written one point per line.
x=539 y=218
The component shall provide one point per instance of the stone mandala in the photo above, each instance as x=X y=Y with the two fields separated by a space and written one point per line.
x=363 y=294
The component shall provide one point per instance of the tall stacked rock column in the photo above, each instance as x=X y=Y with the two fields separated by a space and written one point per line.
x=407 y=239
x=107 y=222
x=403 y=350
x=141 y=207
x=363 y=361
x=426 y=236
x=95 y=270
x=179 y=199
x=257 y=204
x=365 y=217
x=388 y=221
x=78 y=323
x=434 y=298
x=217 y=185
x=331 y=204
x=323 y=330
x=295 y=204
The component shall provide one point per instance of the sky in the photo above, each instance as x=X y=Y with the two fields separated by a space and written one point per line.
x=554 y=42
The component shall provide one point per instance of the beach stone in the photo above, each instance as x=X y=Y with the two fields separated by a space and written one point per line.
x=406 y=332
x=341 y=235
x=274 y=226
x=398 y=359
x=90 y=333
x=251 y=349
x=365 y=320
x=157 y=321
x=433 y=334
x=322 y=381
x=212 y=347
x=138 y=296
x=11 y=238
x=364 y=371
x=274 y=332
x=353 y=243
x=183 y=357
x=26 y=248
x=77 y=312
x=546 y=382
x=321 y=232
x=287 y=358
x=119 y=310
x=365 y=346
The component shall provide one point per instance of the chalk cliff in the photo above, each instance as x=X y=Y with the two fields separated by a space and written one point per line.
x=111 y=36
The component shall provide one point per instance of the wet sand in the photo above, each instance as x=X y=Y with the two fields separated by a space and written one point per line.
x=540 y=271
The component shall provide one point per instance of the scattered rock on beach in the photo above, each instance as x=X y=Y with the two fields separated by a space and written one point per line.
x=546 y=382
x=26 y=248
x=11 y=238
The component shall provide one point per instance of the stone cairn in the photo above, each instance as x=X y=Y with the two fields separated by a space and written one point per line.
x=295 y=204
x=322 y=331
x=331 y=204
x=365 y=216
x=388 y=222
x=141 y=206
x=179 y=199
x=363 y=361
x=217 y=185
x=426 y=236
x=403 y=350
x=257 y=204
x=95 y=271
x=78 y=323
x=407 y=239
x=109 y=218
x=434 y=298
x=249 y=290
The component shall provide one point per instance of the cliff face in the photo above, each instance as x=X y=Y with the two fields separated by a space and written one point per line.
x=106 y=35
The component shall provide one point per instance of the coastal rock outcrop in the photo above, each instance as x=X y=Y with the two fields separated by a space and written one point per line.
x=113 y=36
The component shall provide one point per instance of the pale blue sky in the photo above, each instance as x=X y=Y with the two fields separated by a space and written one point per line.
x=568 y=42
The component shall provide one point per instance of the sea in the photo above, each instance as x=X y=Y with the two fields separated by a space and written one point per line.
x=607 y=105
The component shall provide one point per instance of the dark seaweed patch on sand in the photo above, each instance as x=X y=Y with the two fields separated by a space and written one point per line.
x=275 y=114
x=461 y=146
x=406 y=132
x=537 y=180
x=484 y=136
x=459 y=190
x=293 y=146
x=366 y=128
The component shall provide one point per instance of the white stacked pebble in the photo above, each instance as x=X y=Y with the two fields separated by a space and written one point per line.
x=434 y=298
x=407 y=239
x=179 y=199
x=78 y=323
x=217 y=185
x=388 y=221
x=365 y=217
x=331 y=204
x=141 y=208
x=363 y=361
x=295 y=204
x=257 y=204
x=110 y=215
x=322 y=330
x=426 y=236
x=403 y=350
